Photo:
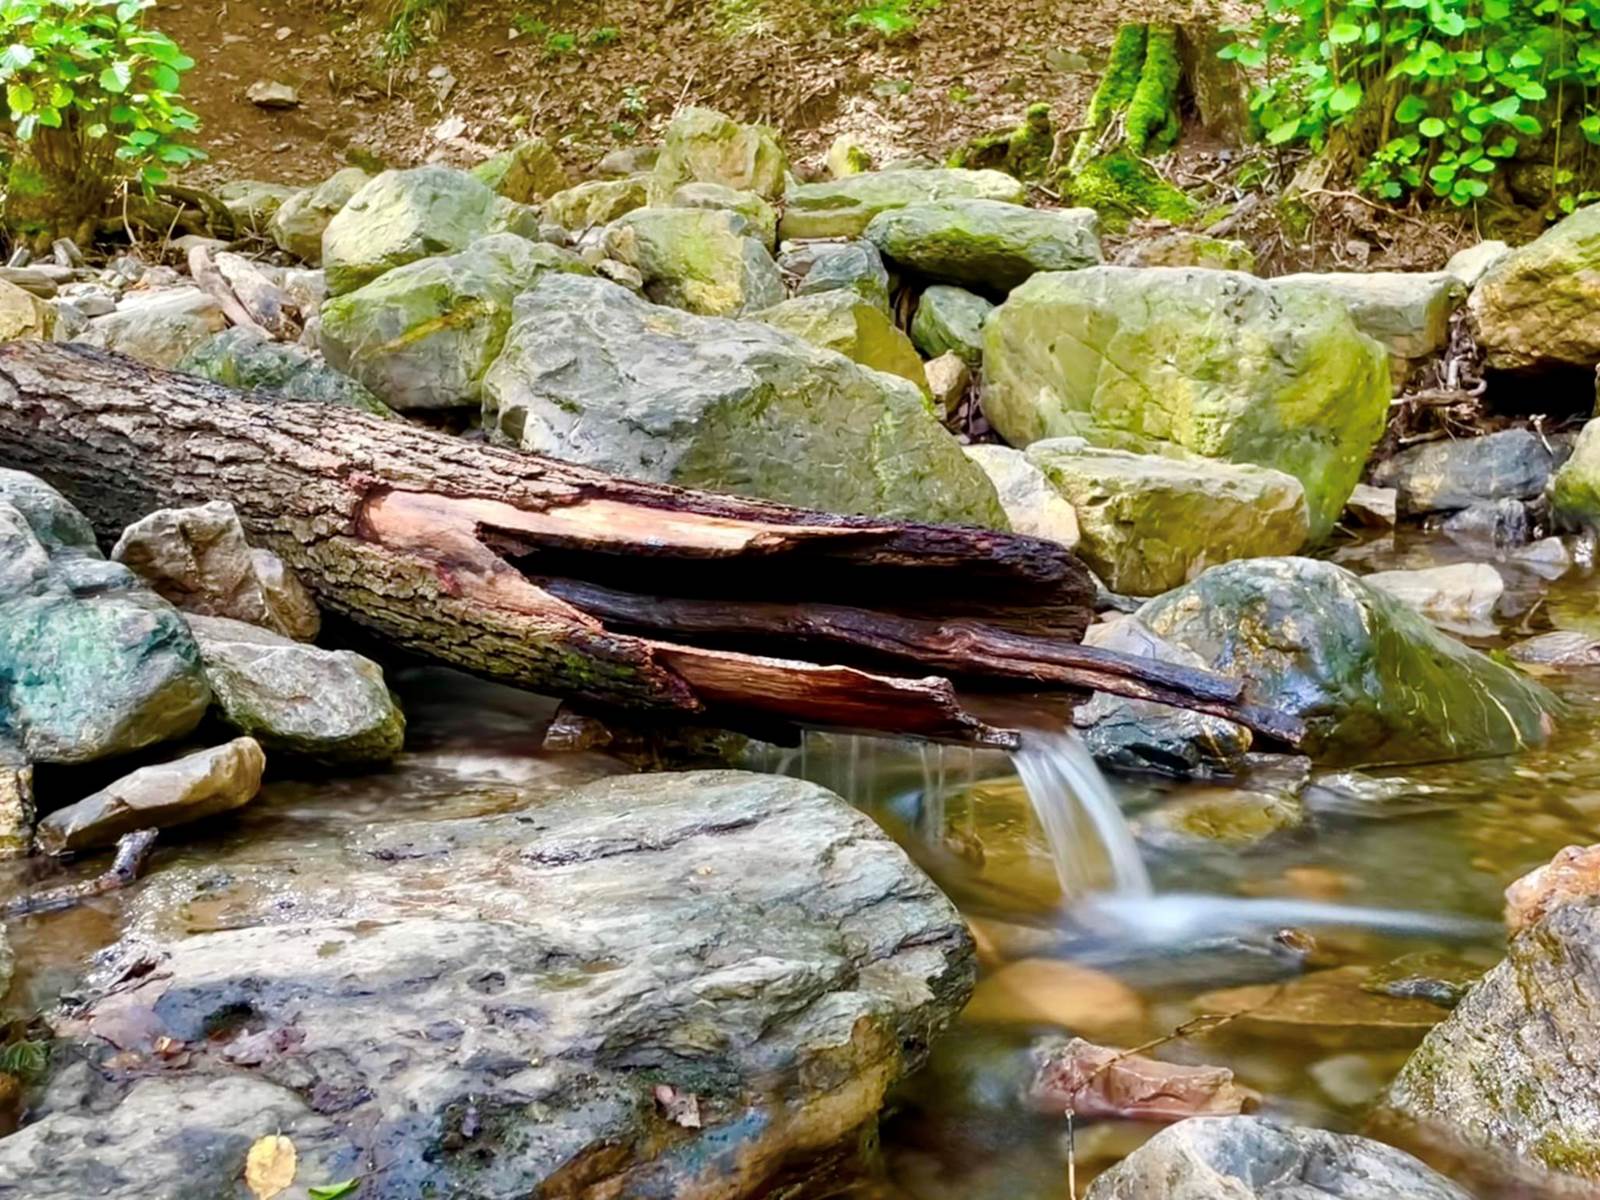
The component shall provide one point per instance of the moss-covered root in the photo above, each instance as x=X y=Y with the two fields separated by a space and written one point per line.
x=1115 y=93
x=1152 y=123
x=1122 y=189
x=1024 y=152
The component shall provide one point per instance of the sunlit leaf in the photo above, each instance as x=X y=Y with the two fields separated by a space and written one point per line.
x=270 y=1164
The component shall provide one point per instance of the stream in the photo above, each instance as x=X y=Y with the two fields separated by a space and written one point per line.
x=1079 y=924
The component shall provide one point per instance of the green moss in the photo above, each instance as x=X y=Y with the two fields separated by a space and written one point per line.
x=1023 y=152
x=1115 y=93
x=1153 y=124
x=1122 y=189
x=1568 y=1153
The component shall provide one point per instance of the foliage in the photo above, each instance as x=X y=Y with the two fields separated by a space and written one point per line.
x=1433 y=94
x=412 y=22
x=890 y=18
x=93 y=93
x=25 y=1059
x=1152 y=123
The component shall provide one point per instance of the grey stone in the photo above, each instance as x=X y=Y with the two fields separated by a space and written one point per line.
x=828 y=266
x=1408 y=313
x=700 y=260
x=1032 y=505
x=1562 y=649
x=297 y=224
x=1539 y=306
x=1456 y=473
x=598 y=202
x=1460 y=597
x=1474 y=262
x=761 y=217
x=1497 y=524
x=251 y=362
x=845 y=207
x=704 y=146
x=987 y=244
x=159 y=328
x=16 y=816
x=526 y=173
x=628 y=160
x=1377 y=507
x=1185 y=248
x=844 y=322
x=949 y=320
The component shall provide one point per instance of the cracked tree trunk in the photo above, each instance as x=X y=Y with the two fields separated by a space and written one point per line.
x=560 y=579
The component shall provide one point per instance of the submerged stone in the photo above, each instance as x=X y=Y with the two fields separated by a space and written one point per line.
x=1324 y=1008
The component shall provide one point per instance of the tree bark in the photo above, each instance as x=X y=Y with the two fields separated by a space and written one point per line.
x=567 y=581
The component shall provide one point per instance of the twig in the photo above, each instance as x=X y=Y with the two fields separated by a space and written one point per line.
x=1072 y=1159
x=132 y=850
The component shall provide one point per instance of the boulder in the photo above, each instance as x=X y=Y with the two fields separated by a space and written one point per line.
x=593 y=374
x=949 y=320
x=23 y=315
x=16 y=816
x=399 y=217
x=1575 y=488
x=947 y=379
x=985 y=244
x=198 y=559
x=1215 y=362
x=1373 y=680
x=159 y=328
x=527 y=173
x=1032 y=505
x=1456 y=473
x=1470 y=265
x=298 y=223
x=1497 y=525
x=1220 y=818
x=1460 y=597
x=1254 y=1158
x=1152 y=522
x=1561 y=650
x=254 y=202
x=703 y=146
x=421 y=336
x=1571 y=877
x=596 y=203
x=186 y=789
x=1184 y=248
x=700 y=260
x=251 y=362
x=628 y=160
x=694 y=985
x=1409 y=313
x=92 y=663
x=761 y=217
x=831 y=266
x=330 y=706
x=845 y=207
x=1539 y=306
x=844 y=322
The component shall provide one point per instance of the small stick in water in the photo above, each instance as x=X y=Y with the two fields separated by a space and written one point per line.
x=132 y=851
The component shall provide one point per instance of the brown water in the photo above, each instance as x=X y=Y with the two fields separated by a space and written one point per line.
x=1387 y=864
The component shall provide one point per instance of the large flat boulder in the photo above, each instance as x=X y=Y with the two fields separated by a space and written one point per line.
x=845 y=207
x=593 y=374
x=1218 y=363
x=700 y=260
x=986 y=244
x=1373 y=680
x=1539 y=306
x=680 y=985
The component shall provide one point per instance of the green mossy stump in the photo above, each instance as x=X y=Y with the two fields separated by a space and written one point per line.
x=1025 y=151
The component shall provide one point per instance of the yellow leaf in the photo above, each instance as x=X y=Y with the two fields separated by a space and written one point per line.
x=269 y=1167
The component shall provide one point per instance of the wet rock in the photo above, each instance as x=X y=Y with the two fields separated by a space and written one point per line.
x=330 y=706
x=421 y=336
x=1151 y=522
x=1497 y=525
x=1460 y=597
x=253 y=202
x=1218 y=363
x=92 y=663
x=1184 y=248
x=1372 y=679
x=700 y=260
x=1324 y=1008
x=1564 y=649
x=1376 y=507
x=704 y=146
x=198 y=559
x=592 y=374
x=16 y=811
x=1575 y=488
x=987 y=244
x=1435 y=978
x=1572 y=876
x=1032 y=505
x=1220 y=818
x=1049 y=991
x=1098 y=1081
x=1470 y=265
x=159 y=328
x=1456 y=473
x=1408 y=313
x=596 y=203
x=187 y=789
x=760 y=216
x=244 y=359
x=751 y=944
x=846 y=323
x=527 y=173
x=948 y=379
x=1246 y=1158
x=845 y=207
x=24 y=315
x=949 y=320
x=297 y=225
x=399 y=217
x=1539 y=306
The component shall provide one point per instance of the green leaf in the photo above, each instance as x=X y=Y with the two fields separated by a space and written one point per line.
x=1431 y=128
x=14 y=57
x=1526 y=125
x=332 y=1191
x=1532 y=91
x=116 y=77
x=1525 y=57
x=20 y=97
x=1506 y=108
x=1345 y=97
x=1410 y=109
x=164 y=78
x=1342 y=33
x=1280 y=134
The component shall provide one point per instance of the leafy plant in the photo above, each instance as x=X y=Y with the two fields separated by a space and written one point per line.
x=890 y=18
x=1434 y=95
x=412 y=22
x=635 y=99
x=528 y=25
x=25 y=1059
x=604 y=35
x=560 y=43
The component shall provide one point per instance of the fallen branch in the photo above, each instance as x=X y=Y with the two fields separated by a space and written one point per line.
x=132 y=851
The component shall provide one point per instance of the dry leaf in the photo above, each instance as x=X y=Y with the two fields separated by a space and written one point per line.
x=682 y=1107
x=269 y=1167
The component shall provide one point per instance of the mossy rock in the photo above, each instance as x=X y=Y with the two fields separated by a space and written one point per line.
x=845 y=207
x=249 y=361
x=853 y=326
x=1575 y=489
x=949 y=320
x=1122 y=189
x=527 y=173
x=1024 y=151
x=700 y=260
x=985 y=244
x=704 y=146
x=834 y=266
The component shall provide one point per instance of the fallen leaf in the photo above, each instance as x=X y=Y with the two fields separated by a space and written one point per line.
x=332 y=1191
x=1097 y=1081
x=682 y=1107
x=269 y=1167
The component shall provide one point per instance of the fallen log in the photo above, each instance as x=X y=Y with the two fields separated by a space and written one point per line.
x=570 y=582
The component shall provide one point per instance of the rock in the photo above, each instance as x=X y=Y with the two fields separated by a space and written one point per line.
x=621 y=274
x=1098 y=1081
x=330 y=706
x=1184 y=248
x=1455 y=473
x=422 y=335
x=1151 y=522
x=158 y=328
x=198 y=559
x=244 y=359
x=949 y=320
x=846 y=323
x=692 y=984
x=1252 y=1158
x=272 y=93
x=1408 y=313
x=254 y=202
x=1571 y=877
x=1470 y=265
x=399 y=217
x=297 y=226
x=986 y=244
x=527 y=173
x=1373 y=680
x=24 y=315
x=1539 y=306
x=829 y=266
x=761 y=217
x=187 y=789
x=1460 y=597
x=1032 y=505
x=1497 y=525
x=1216 y=362
x=1575 y=487
x=92 y=664
x=596 y=203
x=16 y=819
x=1374 y=507
x=1220 y=819
x=700 y=260
x=592 y=374
x=1049 y=991
x=1325 y=1008
x=701 y=145
x=1564 y=649
x=948 y=380
x=305 y=287
x=845 y=207
x=628 y=160
x=1436 y=978
x=1508 y=1073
